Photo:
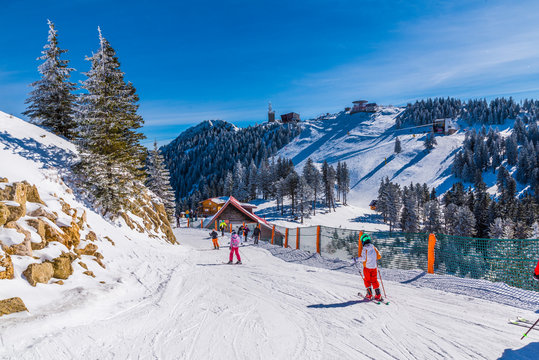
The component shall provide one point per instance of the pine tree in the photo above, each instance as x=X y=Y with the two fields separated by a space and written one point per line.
x=496 y=229
x=240 y=190
x=112 y=158
x=158 y=181
x=464 y=222
x=51 y=102
x=430 y=141
x=345 y=182
x=398 y=147
x=253 y=181
x=433 y=222
x=291 y=184
x=305 y=194
x=229 y=184
x=313 y=178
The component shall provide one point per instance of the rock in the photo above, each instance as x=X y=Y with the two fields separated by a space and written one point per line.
x=42 y=212
x=89 y=273
x=102 y=282
x=83 y=265
x=12 y=305
x=82 y=220
x=4 y=213
x=110 y=240
x=59 y=282
x=39 y=225
x=98 y=258
x=72 y=235
x=62 y=266
x=32 y=194
x=127 y=220
x=5 y=261
x=15 y=211
x=66 y=208
x=39 y=273
x=89 y=249
x=25 y=247
x=91 y=236
x=3 y=180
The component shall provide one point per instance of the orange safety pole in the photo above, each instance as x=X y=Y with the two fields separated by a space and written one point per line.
x=259 y=232
x=432 y=243
x=187 y=222
x=286 y=238
x=230 y=226
x=272 y=234
x=297 y=238
x=318 y=239
x=359 y=244
x=215 y=225
x=201 y=222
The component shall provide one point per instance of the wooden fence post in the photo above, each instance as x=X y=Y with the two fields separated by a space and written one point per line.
x=272 y=234
x=297 y=238
x=286 y=238
x=318 y=239
x=430 y=259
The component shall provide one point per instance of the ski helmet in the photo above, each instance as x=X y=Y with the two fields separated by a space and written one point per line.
x=233 y=232
x=365 y=239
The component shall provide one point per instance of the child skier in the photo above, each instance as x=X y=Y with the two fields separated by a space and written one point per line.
x=222 y=227
x=234 y=245
x=369 y=257
x=214 y=238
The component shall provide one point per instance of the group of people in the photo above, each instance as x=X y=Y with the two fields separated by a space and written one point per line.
x=369 y=257
x=235 y=239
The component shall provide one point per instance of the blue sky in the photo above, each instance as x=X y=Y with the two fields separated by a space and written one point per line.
x=198 y=60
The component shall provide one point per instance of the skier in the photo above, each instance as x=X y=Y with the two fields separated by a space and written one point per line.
x=234 y=246
x=214 y=238
x=222 y=227
x=536 y=272
x=369 y=257
x=256 y=235
x=245 y=233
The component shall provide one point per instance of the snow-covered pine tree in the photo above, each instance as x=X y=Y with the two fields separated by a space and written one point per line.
x=304 y=197
x=398 y=147
x=345 y=182
x=51 y=102
x=496 y=229
x=229 y=184
x=433 y=223
x=112 y=157
x=240 y=190
x=253 y=181
x=313 y=178
x=291 y=184
x=409 y=216
x=464 y=222
x=328 y=181
x=430 y=141
x=158 y=181
x=339 y=180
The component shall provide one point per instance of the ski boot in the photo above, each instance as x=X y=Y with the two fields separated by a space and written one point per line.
x=238 y=262
x=230 y=262
x=369 y=294
x=378 y=296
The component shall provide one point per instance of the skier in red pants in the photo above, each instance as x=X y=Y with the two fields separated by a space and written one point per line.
x=369 y=256
x=234 y=246
x=536 y=272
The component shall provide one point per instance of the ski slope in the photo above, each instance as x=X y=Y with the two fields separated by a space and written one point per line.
x=366 y=143
x=182 y=302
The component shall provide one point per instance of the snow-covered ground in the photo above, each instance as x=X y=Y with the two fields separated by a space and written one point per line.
x=182 y=302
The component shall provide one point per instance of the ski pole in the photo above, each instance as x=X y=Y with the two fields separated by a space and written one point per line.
x=382 y=282
x=535 y=323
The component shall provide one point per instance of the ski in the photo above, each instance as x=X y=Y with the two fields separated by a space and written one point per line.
x=378 y=302
x=521 y=323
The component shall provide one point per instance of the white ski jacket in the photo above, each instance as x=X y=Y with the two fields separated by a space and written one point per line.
x=369 y=256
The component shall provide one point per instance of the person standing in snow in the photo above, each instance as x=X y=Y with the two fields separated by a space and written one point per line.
x=215 y=239
x=369 y=257
x=234 y=248
x=536 y=272
x=245 y=233
x=222 y=227
x=256 y=235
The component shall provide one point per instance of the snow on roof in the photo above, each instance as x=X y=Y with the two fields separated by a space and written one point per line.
x=224 y=199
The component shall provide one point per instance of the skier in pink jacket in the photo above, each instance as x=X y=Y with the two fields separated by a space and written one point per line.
x=234 y=246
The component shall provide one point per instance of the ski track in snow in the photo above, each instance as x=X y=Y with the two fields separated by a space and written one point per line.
x=175 y=302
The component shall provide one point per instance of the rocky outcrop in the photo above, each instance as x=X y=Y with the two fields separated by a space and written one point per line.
x=12 y=305
x=15 y=210
x=42 y=212
x=39 y=273
x=7 y=264
x=39 y=225
x=89 y=249
x=71 y=235
x=20 y=192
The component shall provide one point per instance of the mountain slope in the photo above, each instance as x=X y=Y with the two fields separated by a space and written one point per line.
x=366 y=143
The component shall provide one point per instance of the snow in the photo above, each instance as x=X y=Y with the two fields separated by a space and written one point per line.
x=10 y=237
x=366 y=143
x=181 y=302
